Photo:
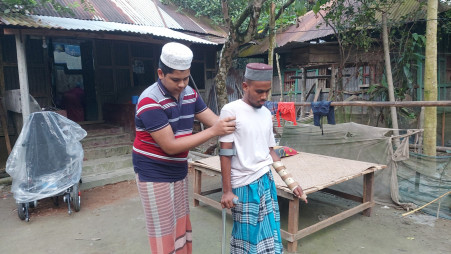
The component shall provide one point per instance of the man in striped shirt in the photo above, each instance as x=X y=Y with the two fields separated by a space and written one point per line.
x=164 y=123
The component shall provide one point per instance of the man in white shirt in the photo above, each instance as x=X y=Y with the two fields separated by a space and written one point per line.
x=246 y=156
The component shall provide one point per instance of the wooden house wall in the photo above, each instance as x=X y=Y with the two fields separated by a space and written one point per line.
x=108 y=69
x=38 y=71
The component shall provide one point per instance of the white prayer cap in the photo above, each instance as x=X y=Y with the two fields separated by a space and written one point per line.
x=258 y=72
x=176 y=56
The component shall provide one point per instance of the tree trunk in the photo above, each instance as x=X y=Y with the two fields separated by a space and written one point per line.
x=225 y=61
x=430 y=80
x=391 y=90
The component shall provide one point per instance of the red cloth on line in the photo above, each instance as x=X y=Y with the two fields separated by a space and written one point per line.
x=288 y=112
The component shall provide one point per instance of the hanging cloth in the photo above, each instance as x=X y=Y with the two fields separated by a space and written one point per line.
x=321 y=109
x=272 y=106
x=287 y=112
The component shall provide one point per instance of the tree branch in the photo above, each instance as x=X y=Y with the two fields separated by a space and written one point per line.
x=225 y=14
x=278 y=14
x=244 y=15
x=254 y=12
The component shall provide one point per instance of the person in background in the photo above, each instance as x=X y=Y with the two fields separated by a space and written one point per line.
x=164 y=122
x=246 y=156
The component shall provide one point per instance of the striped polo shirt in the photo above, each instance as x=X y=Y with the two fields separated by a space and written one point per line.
x=156 y=109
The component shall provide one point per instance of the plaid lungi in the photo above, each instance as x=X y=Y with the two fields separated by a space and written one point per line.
x=167 y=216
x=256 y=219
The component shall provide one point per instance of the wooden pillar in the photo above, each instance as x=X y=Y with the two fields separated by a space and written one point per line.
x=293 y=220
x=23 y=77
x=368 y=192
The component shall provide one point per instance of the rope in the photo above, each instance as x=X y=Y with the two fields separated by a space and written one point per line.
x=419 y=208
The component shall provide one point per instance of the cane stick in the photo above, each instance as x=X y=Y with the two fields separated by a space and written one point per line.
x=224 y=217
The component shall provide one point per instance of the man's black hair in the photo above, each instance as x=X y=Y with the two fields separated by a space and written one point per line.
x=164 y=68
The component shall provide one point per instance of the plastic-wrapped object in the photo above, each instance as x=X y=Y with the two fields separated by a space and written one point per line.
x=47 y=158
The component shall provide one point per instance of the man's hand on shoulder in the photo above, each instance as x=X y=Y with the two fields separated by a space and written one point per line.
x=224 y=126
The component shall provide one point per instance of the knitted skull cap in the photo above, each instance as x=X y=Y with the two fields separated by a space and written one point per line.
x=176 y=56
x=258 y=72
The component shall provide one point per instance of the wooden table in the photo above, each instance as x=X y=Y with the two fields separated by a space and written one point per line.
x=313 y=172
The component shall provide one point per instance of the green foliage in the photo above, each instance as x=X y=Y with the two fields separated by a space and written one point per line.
x=410 y=51
x=444 y=25
x=213 y=10
x=353 y=21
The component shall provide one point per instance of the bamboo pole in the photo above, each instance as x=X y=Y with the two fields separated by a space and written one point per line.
x=272 y=43
x=430 y=79
x=304 y=90
x=280 y=78
x=388 y=72
x=384 y=103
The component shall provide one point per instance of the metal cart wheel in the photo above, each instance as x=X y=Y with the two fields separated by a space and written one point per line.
x=76 y=197
x=22 y=211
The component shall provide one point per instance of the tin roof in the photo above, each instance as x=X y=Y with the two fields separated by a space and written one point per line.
x=311 y=27
x=146 y=13
x=46 y=22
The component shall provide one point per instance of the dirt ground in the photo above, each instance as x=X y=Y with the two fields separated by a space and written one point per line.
x=111 y=221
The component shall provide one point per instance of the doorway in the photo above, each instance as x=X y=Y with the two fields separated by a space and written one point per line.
x=73 y=79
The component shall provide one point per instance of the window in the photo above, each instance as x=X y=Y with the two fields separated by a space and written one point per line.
x=288 y=82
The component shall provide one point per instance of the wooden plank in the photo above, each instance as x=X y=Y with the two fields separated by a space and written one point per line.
x=312 y=77
x=343 y=195
x=285 y=193
x=307 y=95
x=368 y=191
x=211 y=202
x=293 y=222
x=204 y=193
x=5 y=126
x=325 y=223
x=201 y=166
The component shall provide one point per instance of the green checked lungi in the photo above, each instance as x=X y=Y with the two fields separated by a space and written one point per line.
x=256 y=219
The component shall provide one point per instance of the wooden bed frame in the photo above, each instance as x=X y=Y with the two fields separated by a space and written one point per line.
x=300 y=165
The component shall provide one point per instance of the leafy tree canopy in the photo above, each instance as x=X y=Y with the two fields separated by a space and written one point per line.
x=213 y=10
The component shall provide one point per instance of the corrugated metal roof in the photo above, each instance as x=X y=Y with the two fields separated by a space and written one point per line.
x=310 y=27
x=138 y=12
x=313 y=27
x=34 y=21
